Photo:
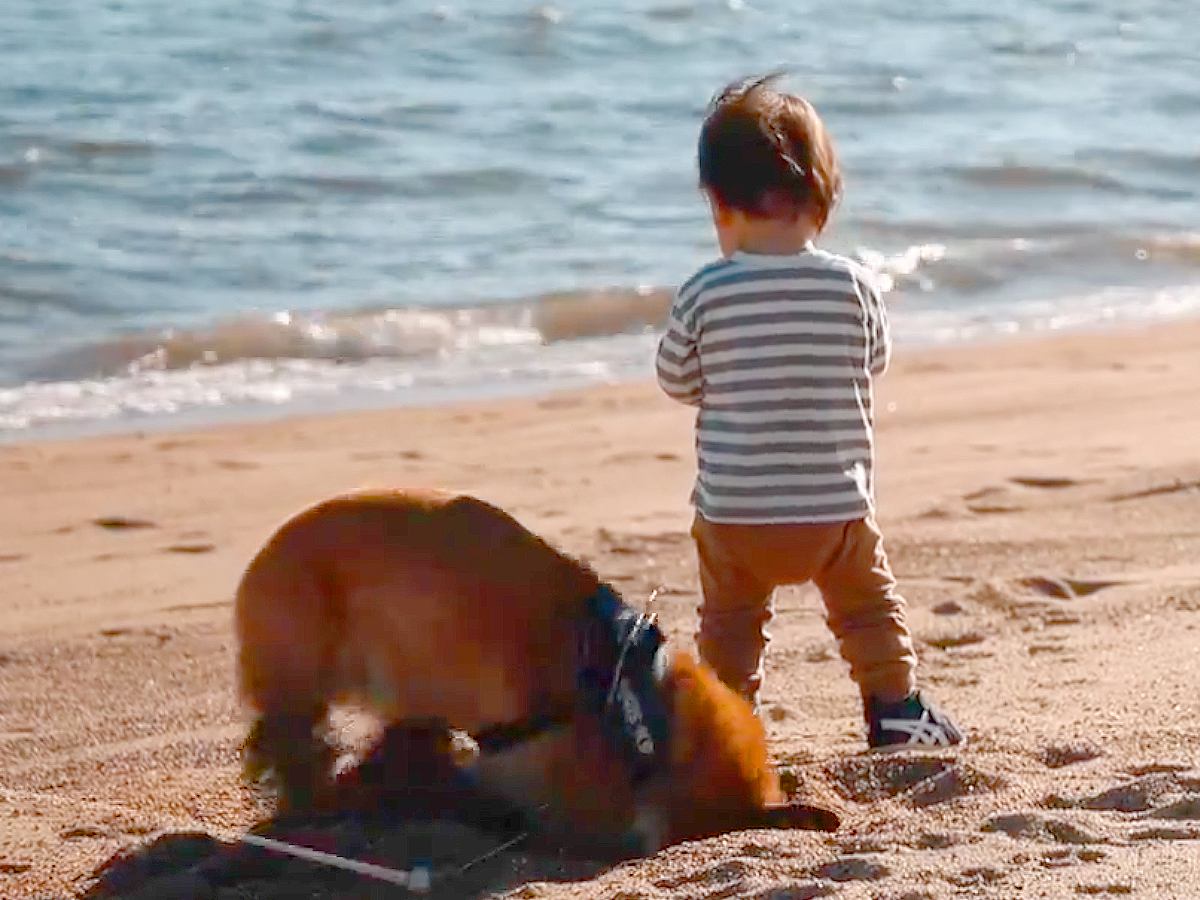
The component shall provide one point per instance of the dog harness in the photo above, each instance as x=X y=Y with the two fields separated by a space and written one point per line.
x=621 y=659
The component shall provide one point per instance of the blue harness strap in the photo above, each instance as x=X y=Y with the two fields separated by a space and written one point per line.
x=620 y=658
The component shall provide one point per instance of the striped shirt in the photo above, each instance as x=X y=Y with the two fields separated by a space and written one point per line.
x=778 y=353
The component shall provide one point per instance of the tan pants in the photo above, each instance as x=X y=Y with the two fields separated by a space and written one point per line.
x=740 y=567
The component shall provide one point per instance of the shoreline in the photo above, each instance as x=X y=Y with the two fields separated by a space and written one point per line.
x=364 y=401
x=1039 y=500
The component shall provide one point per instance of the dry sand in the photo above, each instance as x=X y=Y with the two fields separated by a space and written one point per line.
x=1041 y=500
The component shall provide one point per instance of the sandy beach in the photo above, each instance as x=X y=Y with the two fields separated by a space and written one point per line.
x=1041 y=501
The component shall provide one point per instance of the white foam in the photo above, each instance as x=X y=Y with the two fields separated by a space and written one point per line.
x=892 y=267
x=484 y=360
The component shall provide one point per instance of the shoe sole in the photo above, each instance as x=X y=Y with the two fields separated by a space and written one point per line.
x=918 y=748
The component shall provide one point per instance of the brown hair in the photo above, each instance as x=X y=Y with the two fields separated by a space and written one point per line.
x=767 y=153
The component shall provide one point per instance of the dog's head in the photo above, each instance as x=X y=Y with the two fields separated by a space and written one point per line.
x=719 y=777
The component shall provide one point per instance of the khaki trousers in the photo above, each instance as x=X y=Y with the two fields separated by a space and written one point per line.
x=740 y=567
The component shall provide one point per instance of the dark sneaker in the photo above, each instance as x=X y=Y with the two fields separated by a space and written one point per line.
x=910 y=724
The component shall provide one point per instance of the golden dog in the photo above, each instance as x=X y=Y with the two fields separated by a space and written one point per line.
x=435 y=609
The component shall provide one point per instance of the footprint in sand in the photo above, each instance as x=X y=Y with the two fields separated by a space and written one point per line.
x=1033 y=826
x=949 y=608
x=636 y=456
x=11 y=557
x=1174 y=487
x=870 y=779
x=81 y=832
x=993 y=509
x=976 y=877
x=236 y=465
x=1039 y=649
x=957 y=639
x=733 y=871
x=1057 y=617
x=857 y=845
x=122 y=523
x=1000 y=499
x=959 y=780
x=1187 y=808
x=188 y=607
x=373 y=456
x=852 y=868
x=987 y=493
x=938 y=840
x=997 y=506
x=1137 y=796
x=991 y=500
x=1046 y=482
x=1103 y=889
x=1058 y=756
x=190 y=547
x=1066 y=588
x=1165 y=833
x=1158 y=768
x=161 y=634
x=923 y=780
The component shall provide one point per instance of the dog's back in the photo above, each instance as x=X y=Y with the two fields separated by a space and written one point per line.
x=421 y=604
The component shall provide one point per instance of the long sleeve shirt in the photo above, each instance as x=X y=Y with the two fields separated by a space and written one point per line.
x=779 y=353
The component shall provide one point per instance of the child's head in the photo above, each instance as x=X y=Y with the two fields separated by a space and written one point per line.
x=766 y=160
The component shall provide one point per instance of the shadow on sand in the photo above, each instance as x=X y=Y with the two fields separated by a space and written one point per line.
x=444 y=824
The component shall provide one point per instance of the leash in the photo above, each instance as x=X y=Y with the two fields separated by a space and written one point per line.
x=419 y=879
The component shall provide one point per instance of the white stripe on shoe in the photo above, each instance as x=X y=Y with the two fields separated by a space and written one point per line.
x=921 y=732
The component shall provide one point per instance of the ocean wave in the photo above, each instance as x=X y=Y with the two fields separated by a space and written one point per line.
x=1095 y=309
x=362 y=335
x=148 y=396
x=969 y=255
x=905 y=267
x=144 y=394
x=966 y=268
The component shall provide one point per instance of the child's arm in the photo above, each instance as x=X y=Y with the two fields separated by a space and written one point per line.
x=677 y=363
x=878 y=331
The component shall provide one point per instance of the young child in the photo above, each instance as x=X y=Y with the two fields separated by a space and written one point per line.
x=777 y=344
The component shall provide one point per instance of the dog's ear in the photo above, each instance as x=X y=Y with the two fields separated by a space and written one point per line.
x=801 y=816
